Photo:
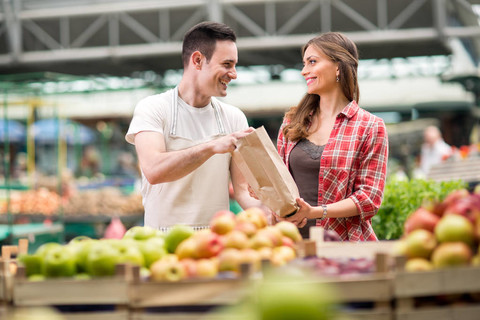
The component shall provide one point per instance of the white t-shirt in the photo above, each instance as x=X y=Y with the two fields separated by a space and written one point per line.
x=154 y=113
x=432 y=155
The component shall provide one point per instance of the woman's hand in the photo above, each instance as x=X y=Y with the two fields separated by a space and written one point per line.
x=303 y=213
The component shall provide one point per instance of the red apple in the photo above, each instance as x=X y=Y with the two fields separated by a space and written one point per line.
x=207 y=268
x=469 y=207
x=209 y=244
x=255 y=215
x=282 y=255
x=421 y=219
x=288 y=242
x=170 y=270
x=190 y=266
x=420 y=244
x=235 y=239
x=290 y=230
x=223 y=222
x=451 y=254
x=260 y=240
x=187 y=249
x=418 y=264
x=228 y=260
x=247 y=227
x=452 y=197
x=274 y=234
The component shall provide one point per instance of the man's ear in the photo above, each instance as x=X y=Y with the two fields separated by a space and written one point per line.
x=197 y=60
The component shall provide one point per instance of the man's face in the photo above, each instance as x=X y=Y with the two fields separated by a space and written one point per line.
x=220 y=70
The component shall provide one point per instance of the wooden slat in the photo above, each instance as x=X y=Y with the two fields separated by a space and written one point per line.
x=466 y=169
x=448 y=281
x=462 y=312
x=200 y=292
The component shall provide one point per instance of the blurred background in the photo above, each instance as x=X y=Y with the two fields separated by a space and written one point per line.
x=71 y=73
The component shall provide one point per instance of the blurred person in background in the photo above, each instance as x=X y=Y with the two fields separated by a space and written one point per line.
x=434 y=149
x=184 y=137
x=336 y=151
x=90 y=163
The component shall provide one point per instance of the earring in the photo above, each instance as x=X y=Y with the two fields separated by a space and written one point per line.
x=338 y=79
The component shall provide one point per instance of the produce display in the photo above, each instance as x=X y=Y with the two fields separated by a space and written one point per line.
x=443 y=234
x=402 y=197
x=103 y=201
x=180 y=253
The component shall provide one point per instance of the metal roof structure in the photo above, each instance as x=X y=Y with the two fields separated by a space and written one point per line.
x=120 y=37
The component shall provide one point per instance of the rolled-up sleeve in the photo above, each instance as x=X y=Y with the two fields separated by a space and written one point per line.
x=371 y=176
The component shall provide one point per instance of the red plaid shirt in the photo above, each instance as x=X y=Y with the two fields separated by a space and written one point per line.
x=353 y=165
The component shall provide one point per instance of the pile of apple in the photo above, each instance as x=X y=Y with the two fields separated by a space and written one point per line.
x=232 y=241
x=444 y=234
x=180 y=253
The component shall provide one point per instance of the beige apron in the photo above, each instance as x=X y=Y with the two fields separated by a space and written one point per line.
x=194 y=198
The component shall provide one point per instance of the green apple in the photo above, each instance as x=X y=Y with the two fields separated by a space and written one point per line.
x=177 y=234
x=102 y=259
x=59 y=262
x=140 y=233
x=128 y=252
x=454 y=227
x=36 y=277
x=294 y=297
x=82 y=250
x=44 y=248
x=32 y=262
x=152 y=250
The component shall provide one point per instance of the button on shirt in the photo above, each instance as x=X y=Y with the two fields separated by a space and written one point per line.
x=353 y=165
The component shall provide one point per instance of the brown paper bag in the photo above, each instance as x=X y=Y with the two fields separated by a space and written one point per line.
x=265 y=172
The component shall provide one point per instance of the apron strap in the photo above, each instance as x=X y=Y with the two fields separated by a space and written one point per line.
x=174 y=107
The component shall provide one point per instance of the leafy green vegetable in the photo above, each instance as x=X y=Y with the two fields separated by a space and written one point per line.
x=402 y=197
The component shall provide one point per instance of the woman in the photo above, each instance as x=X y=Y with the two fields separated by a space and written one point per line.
x=336 y=151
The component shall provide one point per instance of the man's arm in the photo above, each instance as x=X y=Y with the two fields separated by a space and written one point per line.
x=160 y=166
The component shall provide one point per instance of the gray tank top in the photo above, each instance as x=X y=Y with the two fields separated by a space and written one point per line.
x=304 y=165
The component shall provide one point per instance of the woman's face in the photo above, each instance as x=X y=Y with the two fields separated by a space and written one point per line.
x=319 y=71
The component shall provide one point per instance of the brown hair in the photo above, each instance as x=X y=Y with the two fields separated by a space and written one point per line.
x=203 y=37
x=341 y=50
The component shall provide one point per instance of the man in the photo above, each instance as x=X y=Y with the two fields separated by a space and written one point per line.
x=184 y=137
x=434 y=149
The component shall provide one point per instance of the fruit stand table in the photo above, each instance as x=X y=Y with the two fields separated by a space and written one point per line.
x=36 y=233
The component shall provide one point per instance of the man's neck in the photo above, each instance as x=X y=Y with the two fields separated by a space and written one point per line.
x=190 y=93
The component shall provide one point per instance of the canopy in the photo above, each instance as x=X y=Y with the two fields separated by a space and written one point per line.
x=48 y=131
x=16 y=131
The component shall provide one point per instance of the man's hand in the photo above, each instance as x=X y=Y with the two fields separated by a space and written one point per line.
x=228 y=143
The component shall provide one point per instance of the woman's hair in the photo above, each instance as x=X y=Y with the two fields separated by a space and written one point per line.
x=341 y=50
x=203 y=37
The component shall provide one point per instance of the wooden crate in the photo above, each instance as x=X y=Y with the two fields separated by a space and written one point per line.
x=8 y=266
x=374 y=289
x=101 y=298
x=436 y=289
x=150 y=300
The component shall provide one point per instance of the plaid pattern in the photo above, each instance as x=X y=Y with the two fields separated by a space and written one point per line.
x=353 y=165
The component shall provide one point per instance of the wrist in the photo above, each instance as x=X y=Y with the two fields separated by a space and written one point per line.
x=323 y=212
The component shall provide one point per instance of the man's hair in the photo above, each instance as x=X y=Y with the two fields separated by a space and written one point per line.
x=203 y=37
